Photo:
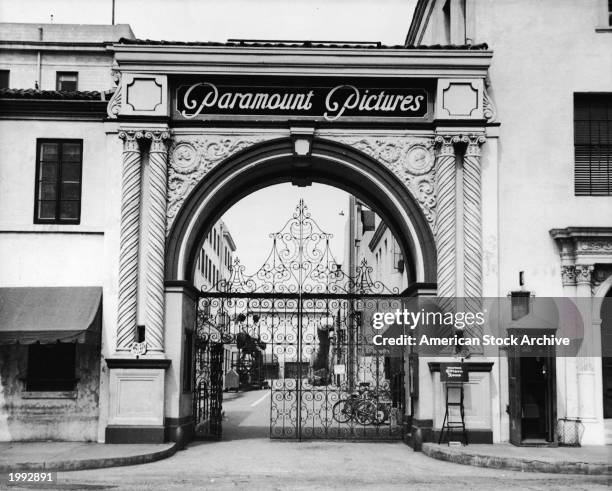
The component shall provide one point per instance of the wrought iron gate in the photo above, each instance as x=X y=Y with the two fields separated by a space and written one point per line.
x=303 y=327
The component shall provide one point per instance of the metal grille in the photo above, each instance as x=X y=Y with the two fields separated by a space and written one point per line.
x=313 y=321
x=569 y=432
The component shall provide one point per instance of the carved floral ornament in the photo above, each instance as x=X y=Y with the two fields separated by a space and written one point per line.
x=114 y=104
x=410 y=159
x=191 y=158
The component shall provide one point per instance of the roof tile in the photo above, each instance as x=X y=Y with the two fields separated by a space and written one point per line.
x=301 y=44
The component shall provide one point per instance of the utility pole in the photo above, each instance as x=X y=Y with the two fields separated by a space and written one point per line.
x=113 y=14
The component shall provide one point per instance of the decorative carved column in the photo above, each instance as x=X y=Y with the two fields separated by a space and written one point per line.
x=445 y=224
x=584 y=274
x=156 y=238
x=472 y=217
x=129 y=235
x=585 y=360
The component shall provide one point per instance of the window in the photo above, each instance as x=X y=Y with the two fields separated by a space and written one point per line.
x=51 y=367
x=58 y=181
x=4 y=79
x=593 y=144
x=67 y=81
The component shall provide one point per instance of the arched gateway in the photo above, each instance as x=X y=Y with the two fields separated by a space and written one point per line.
x=379 y=124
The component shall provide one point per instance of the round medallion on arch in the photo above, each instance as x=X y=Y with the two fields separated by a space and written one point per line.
x=419 y=160
x=184 y=158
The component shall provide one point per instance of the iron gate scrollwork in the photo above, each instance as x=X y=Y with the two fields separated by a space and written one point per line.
x=303 y=326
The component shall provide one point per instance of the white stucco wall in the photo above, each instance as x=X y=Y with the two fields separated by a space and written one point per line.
x=63 y=255
x=537 y=67
x=94 y=69
x=40 y=254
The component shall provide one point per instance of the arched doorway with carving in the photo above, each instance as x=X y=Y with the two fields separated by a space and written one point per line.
x=300 y=161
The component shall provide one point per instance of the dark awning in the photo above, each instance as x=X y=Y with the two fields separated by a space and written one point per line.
x=49 y=314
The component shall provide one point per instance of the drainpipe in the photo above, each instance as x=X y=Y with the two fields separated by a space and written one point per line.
x=39 y=62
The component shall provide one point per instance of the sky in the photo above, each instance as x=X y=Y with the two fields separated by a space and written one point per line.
x=255 y=217
x=251 y=220
x=219 y=20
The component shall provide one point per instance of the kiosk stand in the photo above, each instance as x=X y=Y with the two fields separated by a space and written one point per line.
x=453 y=375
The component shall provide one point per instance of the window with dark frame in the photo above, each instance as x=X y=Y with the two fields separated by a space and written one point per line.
x=51 y=367
x=4 y=79
x=58 y=181
x=593 y=144
x=67 y=81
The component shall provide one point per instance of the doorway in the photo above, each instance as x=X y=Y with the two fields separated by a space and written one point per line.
x=532 y=394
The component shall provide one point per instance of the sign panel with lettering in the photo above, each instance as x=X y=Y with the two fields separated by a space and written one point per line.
x=328 y=99
x=453 y=372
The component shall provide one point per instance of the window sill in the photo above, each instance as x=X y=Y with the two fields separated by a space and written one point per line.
x=69 y=394
x=603 y=29
x=52 y=228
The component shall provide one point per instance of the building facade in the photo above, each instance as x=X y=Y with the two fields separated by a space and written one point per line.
x=550 y=177
x=214 y=263
x=54 y=187
x=477 y=173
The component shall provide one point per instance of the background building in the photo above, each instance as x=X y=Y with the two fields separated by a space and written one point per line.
x=216 y=258
x=57 y=265
x=547 y=178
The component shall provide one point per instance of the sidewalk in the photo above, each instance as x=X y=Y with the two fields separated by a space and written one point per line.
x=562 y=460
x=72 y=456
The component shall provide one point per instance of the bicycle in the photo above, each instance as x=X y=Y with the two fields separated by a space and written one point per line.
x=345 y=410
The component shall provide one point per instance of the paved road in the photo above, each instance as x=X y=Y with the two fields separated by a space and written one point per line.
x=247 y=459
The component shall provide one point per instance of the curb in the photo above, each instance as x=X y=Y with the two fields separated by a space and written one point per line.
x=79 y=465
x=513 y=463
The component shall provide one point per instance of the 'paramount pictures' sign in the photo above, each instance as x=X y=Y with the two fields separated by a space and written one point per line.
x=331 y=102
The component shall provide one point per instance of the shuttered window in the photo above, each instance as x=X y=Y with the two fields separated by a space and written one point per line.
x=593 y=144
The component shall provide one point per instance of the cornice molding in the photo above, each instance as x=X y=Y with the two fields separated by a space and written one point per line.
x=232 y=60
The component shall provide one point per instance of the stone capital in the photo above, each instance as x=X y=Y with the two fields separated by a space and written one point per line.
x=584 y=273
x=159 y=139
x=445 y=144
x=130 y=140
x=474 y=142
x=568 y=275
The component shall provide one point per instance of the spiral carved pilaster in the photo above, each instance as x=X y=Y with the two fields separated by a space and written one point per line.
x=445 y=224
x=156 y=238
x=128 y=245
x=472 y=217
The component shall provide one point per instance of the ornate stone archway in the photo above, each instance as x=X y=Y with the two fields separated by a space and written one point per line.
x=424 y=170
